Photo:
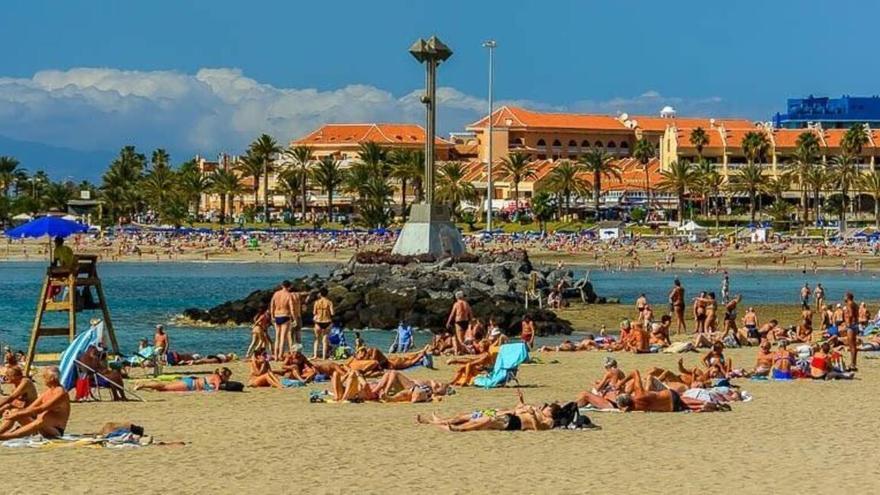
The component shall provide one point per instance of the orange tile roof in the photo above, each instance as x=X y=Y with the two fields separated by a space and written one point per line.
x=787 y=138
x=684 y=138
x=659 y=124
x=508 y=116
x=388 y=134
x=833 y=137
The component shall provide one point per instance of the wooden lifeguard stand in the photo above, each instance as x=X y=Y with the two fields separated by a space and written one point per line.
x=78 y=297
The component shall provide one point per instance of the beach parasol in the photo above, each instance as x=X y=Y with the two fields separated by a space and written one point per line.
x=47 y=226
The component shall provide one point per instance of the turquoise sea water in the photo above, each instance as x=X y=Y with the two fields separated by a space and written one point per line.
x=141 y=295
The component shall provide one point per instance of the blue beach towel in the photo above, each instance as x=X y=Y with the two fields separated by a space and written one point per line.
x=510 y=356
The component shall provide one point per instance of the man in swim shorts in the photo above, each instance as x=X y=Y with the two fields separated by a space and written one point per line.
x=460 y=315
x=281 y=310
x=48 y=415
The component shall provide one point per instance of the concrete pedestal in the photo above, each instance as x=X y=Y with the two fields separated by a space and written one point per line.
x=429 y=230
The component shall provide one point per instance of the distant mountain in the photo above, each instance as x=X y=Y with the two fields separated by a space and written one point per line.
x=58 y=162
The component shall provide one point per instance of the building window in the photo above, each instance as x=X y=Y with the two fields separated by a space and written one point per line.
x=541 y=142
x=585 y=144
x=611 y=144
x=624 y=145
x=598 y=144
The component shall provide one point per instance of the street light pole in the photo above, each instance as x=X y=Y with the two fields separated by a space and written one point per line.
x=489 y=192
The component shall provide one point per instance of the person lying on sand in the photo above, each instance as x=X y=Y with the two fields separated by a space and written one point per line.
x=585 y=344
x=296 y=366
x=652 y=396
x=24 y=392
x=210 y=383
x=371 y=359
x=394 y=386
x=47 y=415
x=521 y=417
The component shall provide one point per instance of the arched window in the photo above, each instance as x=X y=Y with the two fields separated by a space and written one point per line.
x=585 y=144
x=541 y=142
x=598 y=144
x=572 y=144
x=556 y=143
x=624 y=145
x=611 y=144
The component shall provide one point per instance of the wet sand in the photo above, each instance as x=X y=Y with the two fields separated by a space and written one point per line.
x=793 y=438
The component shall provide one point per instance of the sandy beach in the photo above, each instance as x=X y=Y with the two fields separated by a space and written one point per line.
x=793 y=438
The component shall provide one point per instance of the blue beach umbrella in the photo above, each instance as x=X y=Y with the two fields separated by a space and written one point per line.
x=47 y=226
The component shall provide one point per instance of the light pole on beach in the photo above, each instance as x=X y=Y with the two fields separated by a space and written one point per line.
x=489 y=193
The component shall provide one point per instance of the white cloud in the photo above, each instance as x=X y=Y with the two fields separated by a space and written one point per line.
x=222 y=109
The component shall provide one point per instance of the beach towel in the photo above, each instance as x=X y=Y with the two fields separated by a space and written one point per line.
x=510 y=356
x=112 y=440
x=289 y=383
x=679 y=347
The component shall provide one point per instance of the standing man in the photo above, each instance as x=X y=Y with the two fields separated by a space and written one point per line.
x=676 y=301
x=322 y=314
x=460 y=315
x=641 y=303
x=851 y=319
x=282 y=312
x=294 y=336
x=805 y=295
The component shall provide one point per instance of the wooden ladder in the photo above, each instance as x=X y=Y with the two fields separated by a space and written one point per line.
x=83 y=277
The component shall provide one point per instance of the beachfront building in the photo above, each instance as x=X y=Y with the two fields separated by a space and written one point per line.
x=830 y=113
x=343 y=141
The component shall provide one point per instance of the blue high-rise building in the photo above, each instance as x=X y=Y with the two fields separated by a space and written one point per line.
x=831 y=113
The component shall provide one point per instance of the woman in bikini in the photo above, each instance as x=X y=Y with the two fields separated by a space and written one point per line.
x=259 y=332
x=521 y=417
x=716 y=363
x=322 y=315
x=822 y=366
x=210 y=383
x=783 y=360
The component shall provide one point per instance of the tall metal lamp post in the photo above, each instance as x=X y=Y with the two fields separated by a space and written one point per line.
x=429 y=229
x=489 y=192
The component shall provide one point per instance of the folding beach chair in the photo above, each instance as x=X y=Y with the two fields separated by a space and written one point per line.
x=510 y=356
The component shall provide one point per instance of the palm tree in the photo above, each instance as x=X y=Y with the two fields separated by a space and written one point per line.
x=225 y=183
x=749 y=180
x=264 y=148
x=678 y=179
x=160 y=159
x=290 y=184
x=251 y=165
x=818 y=178
x=855 y=138
x=329 y=176
x=755 y=146
x=699 y=139
x=408 y=166
x=703 y=171
x=599 y=163
x=301 y=158
x=870 y=183
x=519 y=167
x=643 y=151
x=845 y=171
x=805 y=156
x=121 y=182
x=8 y=169
x=373 y=155
x=56 y=196
x=779 y=210
x=193 y=184
x=452 y=187
x=567 y=179
x=710 y=182
x=159 y=185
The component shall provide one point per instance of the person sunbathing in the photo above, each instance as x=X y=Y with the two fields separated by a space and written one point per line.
x=352 y=386
x=660 y=332
x=47 y=415
x=371 y=359
x=639 y=338
x=716 y=363
x=828 y=365
x=209 y=359
x=783 y=360
x=262 y=374
x=473 y=366
x=296 y=366
x=521 y=417
x=211 y=383
x=649 y=399
x=585 y=344
x=394 y=386
x=24 y=392
x=872 y=344
x=764 y=360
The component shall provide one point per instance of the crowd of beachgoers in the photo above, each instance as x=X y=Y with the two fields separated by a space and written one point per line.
x=823 y=344
x=635 y=252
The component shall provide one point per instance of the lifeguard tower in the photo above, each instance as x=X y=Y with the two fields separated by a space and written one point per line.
x=68 y=291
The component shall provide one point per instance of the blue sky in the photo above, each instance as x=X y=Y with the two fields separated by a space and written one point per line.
x=206 y=76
